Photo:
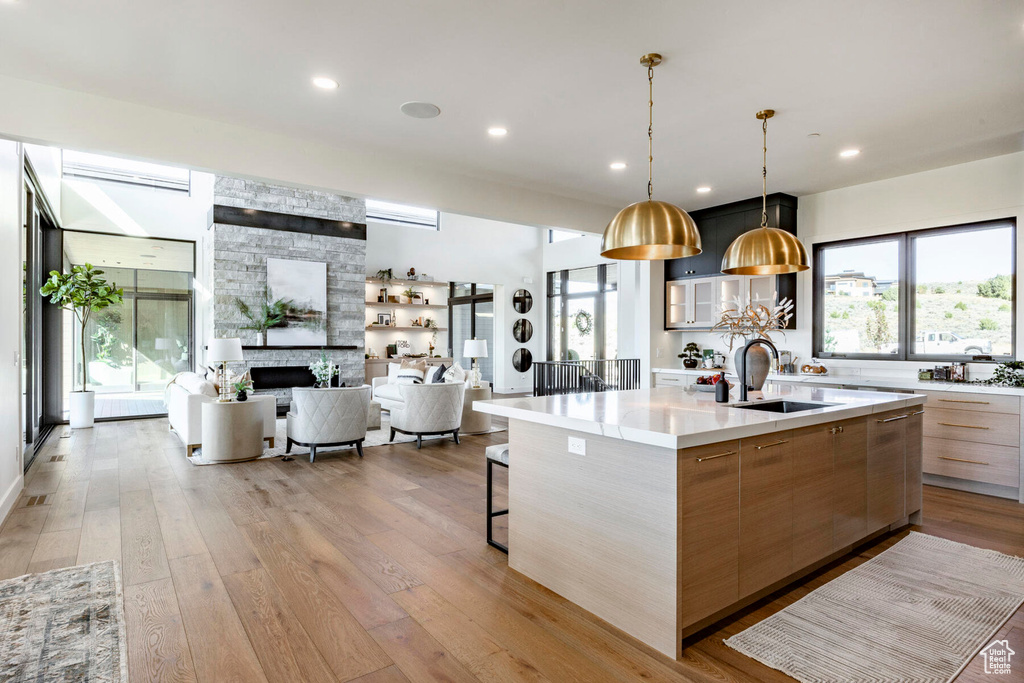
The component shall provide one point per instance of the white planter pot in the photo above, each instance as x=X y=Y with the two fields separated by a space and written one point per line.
x=83 y=409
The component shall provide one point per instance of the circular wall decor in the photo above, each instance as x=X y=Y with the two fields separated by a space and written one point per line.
x=522 y=330
x=522 y=360
x=522 y=301
x=584 y=323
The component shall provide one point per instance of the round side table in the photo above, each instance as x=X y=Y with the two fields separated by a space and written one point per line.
x=232 y=431
x=472 y=421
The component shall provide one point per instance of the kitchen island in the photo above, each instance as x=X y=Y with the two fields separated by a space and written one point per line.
x=661 y=511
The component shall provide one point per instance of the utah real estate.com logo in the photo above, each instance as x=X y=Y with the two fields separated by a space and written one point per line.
x=997 y=657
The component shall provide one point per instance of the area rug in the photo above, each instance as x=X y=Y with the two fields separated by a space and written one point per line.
x=919 y=611
x=64 y=625
x=374 y=437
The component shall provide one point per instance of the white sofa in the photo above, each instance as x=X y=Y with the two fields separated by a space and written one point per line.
x=184 y=398
x=387 y=393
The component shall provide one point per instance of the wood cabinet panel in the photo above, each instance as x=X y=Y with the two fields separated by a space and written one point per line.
x=766 y=510
x=975 y=426
x=886 y=468
x=914 y=460
x=812 y=465
x=972 y=461
x=983 y=403
x=709 y=518
x=849 y=482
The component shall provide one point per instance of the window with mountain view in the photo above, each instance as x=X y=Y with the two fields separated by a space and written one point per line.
x=942 y=294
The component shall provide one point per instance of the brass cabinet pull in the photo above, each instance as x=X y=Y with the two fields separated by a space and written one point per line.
x=973 y=462
x=957 y=400
x=893 y=418
x=717 y=455
x=836 y=430
x=919 y=412
x=953 y=424
x=769 y=445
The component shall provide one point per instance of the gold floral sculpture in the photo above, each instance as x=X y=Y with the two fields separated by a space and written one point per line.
x=753 y=320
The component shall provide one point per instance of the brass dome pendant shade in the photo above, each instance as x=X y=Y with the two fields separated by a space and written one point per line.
x=764 y=250
x=650 y=230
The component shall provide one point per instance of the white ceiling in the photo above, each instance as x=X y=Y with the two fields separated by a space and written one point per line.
x=915 y=84
x=115 y=251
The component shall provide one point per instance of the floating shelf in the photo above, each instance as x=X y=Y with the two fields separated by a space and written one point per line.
x=378 y=304
x=381 y=328
x=396 y=281
x=299 y=348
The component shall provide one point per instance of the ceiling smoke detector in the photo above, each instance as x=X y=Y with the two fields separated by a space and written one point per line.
x=421 y=110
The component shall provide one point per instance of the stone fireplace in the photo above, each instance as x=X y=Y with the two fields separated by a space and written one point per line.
x=254 y=221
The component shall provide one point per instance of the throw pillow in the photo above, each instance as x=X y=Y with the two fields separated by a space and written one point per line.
x=438 y=376
x=412 y=372
x=393 y=369
x=455 y=374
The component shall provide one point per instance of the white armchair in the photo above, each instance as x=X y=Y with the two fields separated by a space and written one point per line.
x=428 y=409
x=328 y=417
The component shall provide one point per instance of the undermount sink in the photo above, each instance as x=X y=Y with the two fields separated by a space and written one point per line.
x=783 y=406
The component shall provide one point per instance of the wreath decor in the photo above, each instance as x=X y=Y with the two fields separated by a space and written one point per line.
x=584 y=323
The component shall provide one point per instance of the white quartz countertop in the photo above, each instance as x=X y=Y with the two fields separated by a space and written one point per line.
x=681 y=417
x=865 y=380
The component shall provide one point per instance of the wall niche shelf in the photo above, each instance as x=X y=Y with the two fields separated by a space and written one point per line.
x=381 y=304
x=396 y=281
x=299 y=348
x=407 y=328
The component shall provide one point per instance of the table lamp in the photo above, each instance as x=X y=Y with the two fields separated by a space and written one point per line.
x=224 y=351
x=475 y=348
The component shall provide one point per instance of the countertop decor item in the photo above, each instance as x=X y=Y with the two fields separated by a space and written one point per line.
x=242 y=389
x=1008 y=374
x=651 y=230
x=753 y=321
x=83 y=291
x=224 y=351
x=323 y=370
x=690 y=355
x=764 y=250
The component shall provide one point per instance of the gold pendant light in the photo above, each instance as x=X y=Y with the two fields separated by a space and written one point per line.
x=764 y=250
x=650 y=230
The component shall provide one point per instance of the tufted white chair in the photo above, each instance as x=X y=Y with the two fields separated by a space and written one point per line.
x=328 y=417
x=429 y=409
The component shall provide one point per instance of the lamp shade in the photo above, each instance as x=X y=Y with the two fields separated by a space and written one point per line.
x=650 y=231
x=224 y=350
x=475 y=348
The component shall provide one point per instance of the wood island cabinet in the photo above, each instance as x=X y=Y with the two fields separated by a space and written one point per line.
x=886 y=467
x=813 y=459
x=766 y=510
x=849 y=482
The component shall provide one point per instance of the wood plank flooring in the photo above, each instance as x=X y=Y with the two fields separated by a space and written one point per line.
x=371 y=570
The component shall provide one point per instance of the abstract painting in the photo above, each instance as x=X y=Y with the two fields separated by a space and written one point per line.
x=301 y=289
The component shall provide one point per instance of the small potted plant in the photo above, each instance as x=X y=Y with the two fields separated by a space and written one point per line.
x=242 y=389
x=262 y=317
x=431 y=325
x=83 y=291
x=690 y=356
x=323 y=370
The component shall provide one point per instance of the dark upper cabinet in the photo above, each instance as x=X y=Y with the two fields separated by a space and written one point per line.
x=720 y=225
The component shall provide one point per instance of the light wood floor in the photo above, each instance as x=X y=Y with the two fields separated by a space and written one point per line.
x=372 y=570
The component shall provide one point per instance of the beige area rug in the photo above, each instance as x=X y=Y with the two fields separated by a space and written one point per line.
x=64 y=625
x=374 y=437
x=919 y=611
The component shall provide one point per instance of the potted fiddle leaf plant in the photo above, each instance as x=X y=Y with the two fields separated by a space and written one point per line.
x=83 y=291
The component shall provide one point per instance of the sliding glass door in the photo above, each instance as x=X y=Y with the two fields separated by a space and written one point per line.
x=471 y=316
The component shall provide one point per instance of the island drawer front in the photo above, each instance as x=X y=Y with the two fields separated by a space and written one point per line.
x=976 y=427
x=663 y=379
x=980 y=403
x=972 y=461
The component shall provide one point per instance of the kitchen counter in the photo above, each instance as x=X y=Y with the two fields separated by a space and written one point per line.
x=677 y=418
x=630 y=504
x=882 y=381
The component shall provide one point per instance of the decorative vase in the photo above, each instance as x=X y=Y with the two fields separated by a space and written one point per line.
x=322 y=385
x=261 y=338
x=759 y=361
x=689 y=363
x=242 y=396
x=83 y=409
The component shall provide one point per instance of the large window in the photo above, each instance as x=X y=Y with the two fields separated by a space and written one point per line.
x=942 y=294
x=582 y=313
x=127 y=171
x=471 y=316
x=402 y=214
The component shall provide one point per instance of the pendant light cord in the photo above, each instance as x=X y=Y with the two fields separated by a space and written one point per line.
x=764 y=172
x=650 y=131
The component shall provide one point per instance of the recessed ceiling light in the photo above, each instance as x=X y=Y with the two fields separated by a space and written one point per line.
x=497 y=131
x=617 y=165
x=703 y=189
x=846 y=153
x=420 y=110
x=325 y=83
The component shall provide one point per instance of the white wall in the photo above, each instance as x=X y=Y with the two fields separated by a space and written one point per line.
x=470 y=249
x=77 y=120
x=977 y=191
x=11 y=197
